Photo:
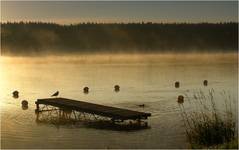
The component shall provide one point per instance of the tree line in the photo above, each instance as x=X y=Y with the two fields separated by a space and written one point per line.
x=23 y=38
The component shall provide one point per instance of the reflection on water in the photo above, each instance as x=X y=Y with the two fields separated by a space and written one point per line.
x=65 y=117
x=143 y=79
x=24 y=107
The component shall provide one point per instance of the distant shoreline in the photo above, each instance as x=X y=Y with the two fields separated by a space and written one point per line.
x=38 y=38
x=114 y=23
x=165 y=53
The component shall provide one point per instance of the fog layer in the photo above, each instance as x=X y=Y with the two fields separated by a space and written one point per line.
x=87 y=38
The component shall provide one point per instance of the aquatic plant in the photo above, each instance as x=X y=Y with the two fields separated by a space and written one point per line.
x=207 y=126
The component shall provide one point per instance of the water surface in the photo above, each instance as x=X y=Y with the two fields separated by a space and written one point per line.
x=144 y=79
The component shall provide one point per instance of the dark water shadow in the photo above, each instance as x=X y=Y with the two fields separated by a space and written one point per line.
x=94 y=124
x=108 y=125
x=24 y=107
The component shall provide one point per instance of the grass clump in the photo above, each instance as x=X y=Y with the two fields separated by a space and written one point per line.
x=209 y=127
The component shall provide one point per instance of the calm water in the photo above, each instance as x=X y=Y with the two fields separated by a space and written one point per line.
x=144 y=79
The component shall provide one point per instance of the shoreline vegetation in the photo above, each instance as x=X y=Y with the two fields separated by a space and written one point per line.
x=41 y=38
x=207 y=126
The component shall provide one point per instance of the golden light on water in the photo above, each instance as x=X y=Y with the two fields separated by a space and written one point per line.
x=122 y=58
x=143 y=79
x=12 y=69
x=2 y=74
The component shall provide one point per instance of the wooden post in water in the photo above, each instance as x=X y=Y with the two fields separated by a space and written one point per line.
x=139 y=121
x=113 y=120
x=177 y=84
x=37 y=105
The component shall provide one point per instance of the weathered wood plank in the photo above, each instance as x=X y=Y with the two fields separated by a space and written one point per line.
x=112 y=112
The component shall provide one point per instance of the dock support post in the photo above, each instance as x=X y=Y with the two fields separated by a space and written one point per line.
x=113 y=120
x=139 y=121
x=37 y=105
x=146 y=124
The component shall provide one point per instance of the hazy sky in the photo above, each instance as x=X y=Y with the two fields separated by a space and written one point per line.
x=124 y=11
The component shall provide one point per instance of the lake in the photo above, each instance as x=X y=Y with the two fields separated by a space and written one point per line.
x=143 y=78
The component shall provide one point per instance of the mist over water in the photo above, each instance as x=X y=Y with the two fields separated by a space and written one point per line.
x=124 y=58
x=42 y=38
x=143 y=78
x=119 y=59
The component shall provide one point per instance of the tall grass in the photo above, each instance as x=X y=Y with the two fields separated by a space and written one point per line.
x=207 y=126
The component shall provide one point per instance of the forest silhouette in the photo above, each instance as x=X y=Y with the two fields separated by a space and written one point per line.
x=29 y=38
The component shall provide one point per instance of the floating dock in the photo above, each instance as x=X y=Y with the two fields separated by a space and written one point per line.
x=113 y=113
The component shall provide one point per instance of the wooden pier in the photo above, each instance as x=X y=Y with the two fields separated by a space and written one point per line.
x=113 y=113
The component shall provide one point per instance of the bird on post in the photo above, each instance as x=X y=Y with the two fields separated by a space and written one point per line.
x=55 y=94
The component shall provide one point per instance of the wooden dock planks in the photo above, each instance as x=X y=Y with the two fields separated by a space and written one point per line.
x=107 y=111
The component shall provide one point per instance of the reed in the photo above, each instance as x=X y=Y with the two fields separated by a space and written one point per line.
x=207 y=126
